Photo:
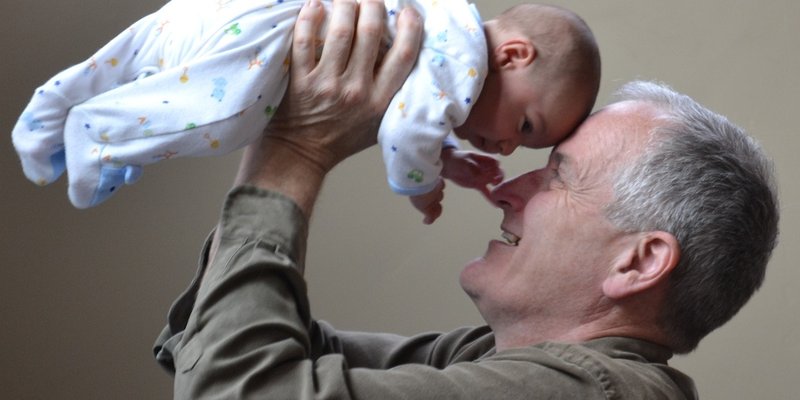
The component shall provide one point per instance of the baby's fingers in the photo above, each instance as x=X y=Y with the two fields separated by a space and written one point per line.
x=432 y=213
x=487 y=169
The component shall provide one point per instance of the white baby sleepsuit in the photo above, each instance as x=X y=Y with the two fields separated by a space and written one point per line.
x=203 y=77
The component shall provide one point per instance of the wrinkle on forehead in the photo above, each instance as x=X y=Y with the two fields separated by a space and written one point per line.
x=609 y=140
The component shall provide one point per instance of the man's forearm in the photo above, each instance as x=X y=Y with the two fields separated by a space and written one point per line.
x=276 y=166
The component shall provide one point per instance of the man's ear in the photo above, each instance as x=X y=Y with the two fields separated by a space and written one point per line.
x=645 y=264
x=514 y=53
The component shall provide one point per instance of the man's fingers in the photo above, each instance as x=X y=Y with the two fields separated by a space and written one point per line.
x=339 y=37
x=401 y=57
x=371 y=22
x=304 y=39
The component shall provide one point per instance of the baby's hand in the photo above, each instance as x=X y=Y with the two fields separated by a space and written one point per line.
x=430 y=204
x=471 y=170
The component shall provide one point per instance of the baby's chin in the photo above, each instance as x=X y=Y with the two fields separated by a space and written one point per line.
x=460 y=132
x=463 y=133
x=476 y=141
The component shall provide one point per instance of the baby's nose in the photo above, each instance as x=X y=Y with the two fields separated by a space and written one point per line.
x=507 y=146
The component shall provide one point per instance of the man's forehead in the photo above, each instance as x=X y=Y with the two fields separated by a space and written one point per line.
x=622 y=120
x=584 y=136
x=611 y=133
x=638 y=113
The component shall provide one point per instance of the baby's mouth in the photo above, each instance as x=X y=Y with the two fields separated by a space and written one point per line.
x=510 y=238
x=480 y=144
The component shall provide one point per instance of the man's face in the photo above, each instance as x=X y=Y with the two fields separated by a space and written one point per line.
x=513 y=111
x=566 y=244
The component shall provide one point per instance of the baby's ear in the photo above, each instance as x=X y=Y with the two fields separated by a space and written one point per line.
x=514 y=53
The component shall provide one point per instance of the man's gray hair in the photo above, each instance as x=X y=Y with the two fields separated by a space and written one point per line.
x=705 y=181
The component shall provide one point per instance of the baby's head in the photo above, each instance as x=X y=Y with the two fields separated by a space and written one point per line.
x=544 y=75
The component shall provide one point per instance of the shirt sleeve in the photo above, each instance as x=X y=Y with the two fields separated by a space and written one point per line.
x=386 y=350
x=244 y=330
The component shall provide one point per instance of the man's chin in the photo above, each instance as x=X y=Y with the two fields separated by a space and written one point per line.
x=470 y=291
x=471 y=277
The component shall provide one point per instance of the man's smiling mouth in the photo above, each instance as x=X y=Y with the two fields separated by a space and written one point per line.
x=510 y=238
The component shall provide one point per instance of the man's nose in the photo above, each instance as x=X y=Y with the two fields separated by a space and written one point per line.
x=507 y=196
x=513 y=194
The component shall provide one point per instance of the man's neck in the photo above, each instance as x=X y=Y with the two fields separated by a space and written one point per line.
x=615 y=322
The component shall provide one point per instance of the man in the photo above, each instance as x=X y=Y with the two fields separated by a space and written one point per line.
x=649 y=227
x=656 y=218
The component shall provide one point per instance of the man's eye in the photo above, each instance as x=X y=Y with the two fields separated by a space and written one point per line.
x=555 y=178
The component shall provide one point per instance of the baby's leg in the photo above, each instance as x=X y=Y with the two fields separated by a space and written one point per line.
x=97 y=171
x=216 y=101
x=38 y=135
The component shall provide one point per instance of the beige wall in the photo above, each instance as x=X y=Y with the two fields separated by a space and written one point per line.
x=83 y=293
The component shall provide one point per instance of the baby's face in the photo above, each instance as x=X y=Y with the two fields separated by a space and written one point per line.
x=515 y=112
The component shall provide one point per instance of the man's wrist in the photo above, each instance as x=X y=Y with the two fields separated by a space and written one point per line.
x=280 y=166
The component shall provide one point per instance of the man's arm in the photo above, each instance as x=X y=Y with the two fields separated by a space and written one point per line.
x=256 y=261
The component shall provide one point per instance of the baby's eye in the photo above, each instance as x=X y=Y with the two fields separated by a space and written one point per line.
x=527 y=126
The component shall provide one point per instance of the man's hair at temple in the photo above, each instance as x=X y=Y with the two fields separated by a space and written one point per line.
x=708 y=183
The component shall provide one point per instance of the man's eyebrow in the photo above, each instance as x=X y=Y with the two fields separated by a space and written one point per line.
x=563 y=163
x=559 y=157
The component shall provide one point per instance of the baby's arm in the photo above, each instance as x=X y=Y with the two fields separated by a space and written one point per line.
x=438 y=95
x=467 y=169
x=470 y=169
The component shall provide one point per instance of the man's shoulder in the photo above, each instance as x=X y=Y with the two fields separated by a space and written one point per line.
x=465 y=344
x=620 y=367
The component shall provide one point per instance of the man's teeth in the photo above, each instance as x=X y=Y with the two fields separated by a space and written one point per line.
x=511 y=238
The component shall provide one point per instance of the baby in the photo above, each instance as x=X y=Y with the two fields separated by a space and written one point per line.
x=204 y=77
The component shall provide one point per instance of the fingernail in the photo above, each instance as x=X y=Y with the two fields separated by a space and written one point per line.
x=313 y=3
x=410 y=12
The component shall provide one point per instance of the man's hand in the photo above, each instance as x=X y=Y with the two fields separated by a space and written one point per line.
x=471 y=170
x=333 y=106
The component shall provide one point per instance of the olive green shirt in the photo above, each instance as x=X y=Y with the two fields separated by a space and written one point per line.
x=245 y=331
